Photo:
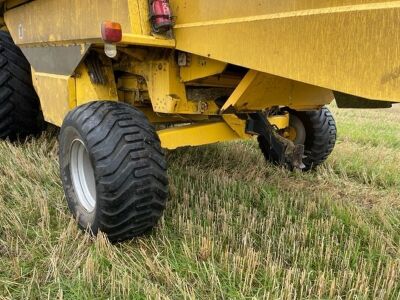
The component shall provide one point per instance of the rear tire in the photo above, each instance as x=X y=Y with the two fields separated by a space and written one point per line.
x=20 y=113
x=321 y=134
x=113 y=170
x=319 y=140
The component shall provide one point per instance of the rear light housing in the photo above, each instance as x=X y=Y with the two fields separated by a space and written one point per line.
x=160 y=16
x=111 y=32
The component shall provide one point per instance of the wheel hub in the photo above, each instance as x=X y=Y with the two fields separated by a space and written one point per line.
x=296 y=132
x=82 y=175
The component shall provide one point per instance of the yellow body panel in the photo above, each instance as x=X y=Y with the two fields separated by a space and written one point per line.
x=136 y=23
x=57 y=95
x=205 y=10
x=197 y=135
x=343 y=45
x=350 y=46
x=258 y=91
x=238 y=125
x=295 y=52
x=200 y=67
x=147 y=40
x=280 y=121
x=143 y=15
x=86 y=91
x=65 y=20
x=231 y=128
x=157 y=118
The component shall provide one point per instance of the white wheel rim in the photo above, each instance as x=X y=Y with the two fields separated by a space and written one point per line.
x=82 y=174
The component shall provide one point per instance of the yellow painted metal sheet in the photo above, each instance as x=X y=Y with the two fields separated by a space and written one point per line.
x=259 y=91
x=143 y=16
x=146 y=40
x=205 y=10
x=196 y=135
x=134 y=11
x=87 y=91
x=231 y=128
x=200 y=67
x=352 y=46
x=57 y=95
x=65 y=20
x=280 y=121
x=238 y=125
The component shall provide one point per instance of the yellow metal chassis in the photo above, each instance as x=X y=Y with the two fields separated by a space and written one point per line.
x=294 y=53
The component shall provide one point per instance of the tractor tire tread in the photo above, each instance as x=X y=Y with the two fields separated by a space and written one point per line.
x=321 y=136
x=129 y=205
x=20 y=105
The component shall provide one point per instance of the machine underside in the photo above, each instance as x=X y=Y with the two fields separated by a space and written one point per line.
x=295 y=54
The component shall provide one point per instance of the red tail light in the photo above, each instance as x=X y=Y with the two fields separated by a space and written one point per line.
x=111 y=32
x=160 y=13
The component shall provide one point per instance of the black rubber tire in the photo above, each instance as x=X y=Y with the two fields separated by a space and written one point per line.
x=129 y=165
x=320 y=141
x=20 y=113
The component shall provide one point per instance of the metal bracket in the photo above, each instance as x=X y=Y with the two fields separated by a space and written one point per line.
x=96 y=74
x=288 y=153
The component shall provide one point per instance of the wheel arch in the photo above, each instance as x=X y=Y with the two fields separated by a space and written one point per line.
x=92 y=80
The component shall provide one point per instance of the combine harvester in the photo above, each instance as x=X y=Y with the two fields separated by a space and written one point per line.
x=125 y=79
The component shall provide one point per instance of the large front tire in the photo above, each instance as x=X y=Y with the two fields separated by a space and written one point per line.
x=113 y=170
x=20 y=113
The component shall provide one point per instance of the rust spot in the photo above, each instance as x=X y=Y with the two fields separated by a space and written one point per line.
x=395 y=74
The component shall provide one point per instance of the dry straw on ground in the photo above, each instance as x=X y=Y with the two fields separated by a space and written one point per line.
x=235 y=228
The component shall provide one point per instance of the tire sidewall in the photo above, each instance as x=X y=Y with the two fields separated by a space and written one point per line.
x=86 y=220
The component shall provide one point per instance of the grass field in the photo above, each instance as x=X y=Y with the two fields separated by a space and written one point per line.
x=235 y=228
